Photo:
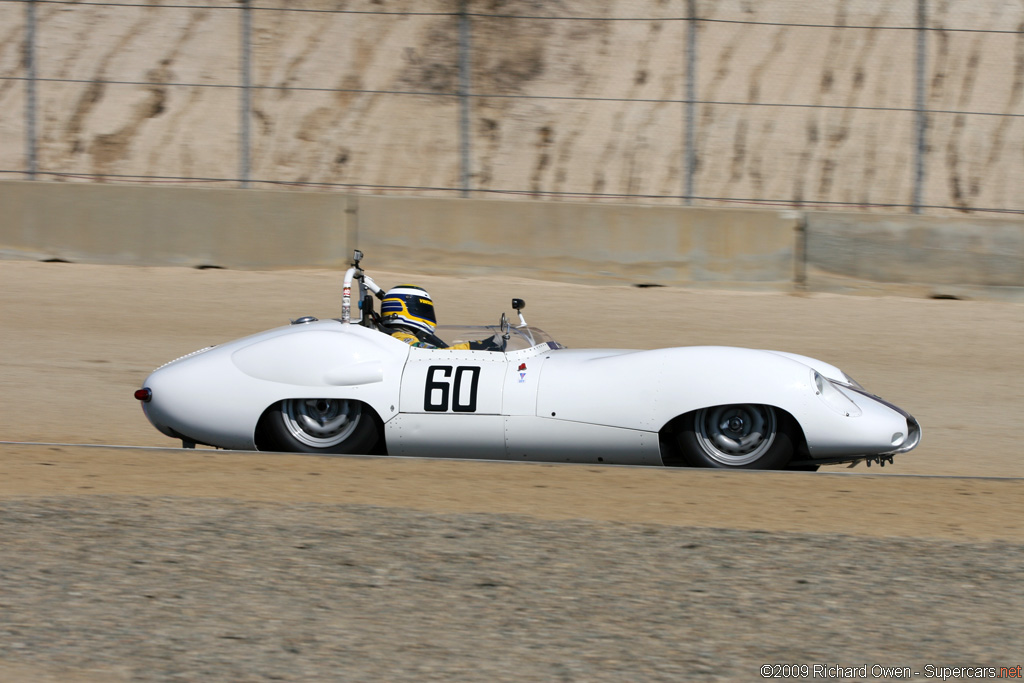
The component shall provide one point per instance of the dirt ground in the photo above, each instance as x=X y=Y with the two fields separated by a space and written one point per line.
x=78 y=339
x=119 y=561
x=877 y=506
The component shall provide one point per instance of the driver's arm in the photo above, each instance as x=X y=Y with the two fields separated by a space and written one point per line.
x=410 y=339
x=489 y=344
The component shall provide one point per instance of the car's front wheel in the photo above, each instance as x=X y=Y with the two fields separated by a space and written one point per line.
x=746 y=436
x=321 y=425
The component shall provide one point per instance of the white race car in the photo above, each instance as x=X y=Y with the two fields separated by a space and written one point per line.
x=344 y=386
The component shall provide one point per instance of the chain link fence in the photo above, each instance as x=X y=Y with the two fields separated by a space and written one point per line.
x=853 y=105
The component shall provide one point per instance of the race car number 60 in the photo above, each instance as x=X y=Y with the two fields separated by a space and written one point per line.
x=444 y=389
x=785 y=671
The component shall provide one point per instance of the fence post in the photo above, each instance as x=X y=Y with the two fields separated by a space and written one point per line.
x=464 y=87
x=246 y=99
x=30 y=89
x=690 y=137
x=920 y=102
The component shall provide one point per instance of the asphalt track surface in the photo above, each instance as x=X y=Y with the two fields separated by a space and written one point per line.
x=144 y=562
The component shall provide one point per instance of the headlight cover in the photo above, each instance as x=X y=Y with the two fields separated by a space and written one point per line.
x=834 y=398
x=853 y=383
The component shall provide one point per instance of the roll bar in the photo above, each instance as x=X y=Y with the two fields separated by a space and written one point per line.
x=366 y=283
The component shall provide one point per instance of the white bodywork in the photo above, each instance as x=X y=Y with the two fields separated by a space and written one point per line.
x=536 y=401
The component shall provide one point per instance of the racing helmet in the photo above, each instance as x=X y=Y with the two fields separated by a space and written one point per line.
x=410 y=306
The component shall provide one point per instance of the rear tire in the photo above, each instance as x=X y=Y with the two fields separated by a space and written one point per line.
x=321 y=425
x=742 y=436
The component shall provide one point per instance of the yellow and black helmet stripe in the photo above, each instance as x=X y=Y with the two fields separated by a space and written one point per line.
x=410 y=305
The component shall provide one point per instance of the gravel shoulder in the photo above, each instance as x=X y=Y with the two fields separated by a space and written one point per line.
x=165 y=589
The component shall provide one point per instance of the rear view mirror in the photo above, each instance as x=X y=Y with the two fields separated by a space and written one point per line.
x=519 y=305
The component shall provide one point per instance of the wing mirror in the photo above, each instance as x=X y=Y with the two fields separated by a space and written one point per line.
x=519 y=305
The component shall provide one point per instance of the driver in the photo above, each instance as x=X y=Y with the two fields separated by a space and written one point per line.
x=407 y=314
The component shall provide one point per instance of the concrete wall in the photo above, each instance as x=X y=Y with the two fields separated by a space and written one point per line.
x=915 y=255
x=582 y=242
x=575 y=242
x=259 y=229
x=172 y=225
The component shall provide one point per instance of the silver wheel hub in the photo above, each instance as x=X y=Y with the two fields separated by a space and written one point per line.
x=320 y=422
x=735 y=435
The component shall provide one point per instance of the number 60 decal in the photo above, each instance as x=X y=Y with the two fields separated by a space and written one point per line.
x=440 y=390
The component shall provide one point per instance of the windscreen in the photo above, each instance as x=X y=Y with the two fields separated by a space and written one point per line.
x=519 y=337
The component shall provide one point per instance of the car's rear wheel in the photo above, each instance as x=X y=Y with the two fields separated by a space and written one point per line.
x=321 y=425
x=742 y=436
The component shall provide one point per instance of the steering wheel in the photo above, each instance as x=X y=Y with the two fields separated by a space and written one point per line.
x=504 y=327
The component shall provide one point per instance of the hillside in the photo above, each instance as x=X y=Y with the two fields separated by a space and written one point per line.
x=800 y=102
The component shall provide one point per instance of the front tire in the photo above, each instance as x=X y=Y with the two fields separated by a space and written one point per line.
x=321 y=425
x=743 y=436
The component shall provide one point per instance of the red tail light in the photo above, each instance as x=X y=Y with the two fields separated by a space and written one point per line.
x=145 y=394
